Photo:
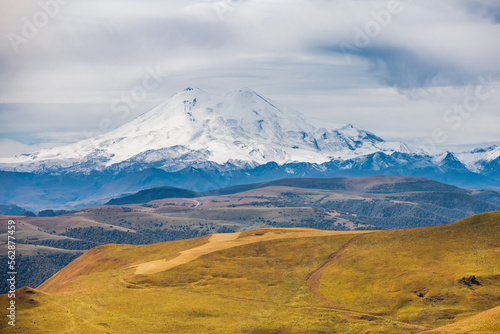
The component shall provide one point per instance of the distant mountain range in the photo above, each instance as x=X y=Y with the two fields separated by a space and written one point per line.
x=200 y=142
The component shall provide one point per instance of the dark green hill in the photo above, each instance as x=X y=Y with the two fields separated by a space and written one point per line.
x=11 y=209
x=148 y=195
x=374 y=184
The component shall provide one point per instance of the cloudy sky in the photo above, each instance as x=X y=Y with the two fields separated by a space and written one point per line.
x=424 y=72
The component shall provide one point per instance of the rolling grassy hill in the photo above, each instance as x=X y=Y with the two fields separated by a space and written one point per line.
x=486 y=322
x=382 y=202
x=443 y=278
x=420 y=275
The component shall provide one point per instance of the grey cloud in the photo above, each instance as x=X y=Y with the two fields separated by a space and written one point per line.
x=404 y=69
x=484 y=8
x=92 y=46
x=95 y=50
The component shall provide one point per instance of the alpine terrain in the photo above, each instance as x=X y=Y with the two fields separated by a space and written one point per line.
x=200 y=141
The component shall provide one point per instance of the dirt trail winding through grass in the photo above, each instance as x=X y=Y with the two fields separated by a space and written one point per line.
x=221 y=241
x=197 y=204
x=314 y=278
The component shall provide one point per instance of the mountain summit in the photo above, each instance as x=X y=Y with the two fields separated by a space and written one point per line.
x=193 y=127
x=199 y=141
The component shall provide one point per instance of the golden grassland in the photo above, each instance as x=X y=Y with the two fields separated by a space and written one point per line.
x=279 y=281
x=486 y=322
x=414 y=275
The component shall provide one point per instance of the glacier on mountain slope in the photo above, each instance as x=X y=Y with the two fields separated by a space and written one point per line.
x=240 y=127
x=475 y=159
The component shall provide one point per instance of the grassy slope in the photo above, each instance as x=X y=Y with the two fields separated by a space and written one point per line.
x=486 y=322
x=369 y=285
x=259 y=288
x=413 y=275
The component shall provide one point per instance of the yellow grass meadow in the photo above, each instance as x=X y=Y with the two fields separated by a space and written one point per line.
x=279 y=281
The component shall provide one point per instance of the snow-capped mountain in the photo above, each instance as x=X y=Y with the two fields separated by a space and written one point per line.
x=193 y=127
x=477 y=159
x=200 y=142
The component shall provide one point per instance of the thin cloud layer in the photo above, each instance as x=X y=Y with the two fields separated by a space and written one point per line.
x=91 y=52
